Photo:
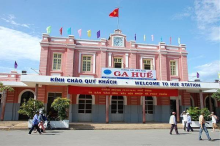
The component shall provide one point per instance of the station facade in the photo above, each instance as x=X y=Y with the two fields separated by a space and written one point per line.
x=112 y=80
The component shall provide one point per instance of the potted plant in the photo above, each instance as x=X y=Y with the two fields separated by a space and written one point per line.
x=29 y=108
x=61 y=105
x=195 y=112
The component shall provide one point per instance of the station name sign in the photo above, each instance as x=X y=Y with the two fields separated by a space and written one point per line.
x=120 y=73
x=122 y=91
x=98 y=81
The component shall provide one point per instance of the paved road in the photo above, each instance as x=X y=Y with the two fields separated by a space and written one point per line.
x=153 y=137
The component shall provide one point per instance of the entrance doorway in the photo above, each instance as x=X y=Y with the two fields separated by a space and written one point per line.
x=117 y=108
x=173 y=105
x=85 y=108
x=149 y=110
x=208 y=105
x=24 y=98
x=52 y=114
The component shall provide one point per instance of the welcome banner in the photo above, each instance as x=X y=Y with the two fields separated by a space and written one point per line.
x=122 y=91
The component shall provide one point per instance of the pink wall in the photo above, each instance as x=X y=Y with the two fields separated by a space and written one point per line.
x=70 y=50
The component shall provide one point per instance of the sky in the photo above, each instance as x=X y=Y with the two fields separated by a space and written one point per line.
x=196 y=22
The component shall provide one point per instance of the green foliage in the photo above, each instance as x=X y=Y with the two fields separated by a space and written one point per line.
x=195 y=112
x=61 y=105
x=206 y=114
x=30 y=107
x=5 y=88
x=216 y=95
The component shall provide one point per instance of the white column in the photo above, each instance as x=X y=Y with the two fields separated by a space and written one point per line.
x=79 y=63
x=126 y=60
x=109 y=59
x=94 y=58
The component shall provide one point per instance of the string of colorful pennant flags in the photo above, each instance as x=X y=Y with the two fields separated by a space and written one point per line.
x=114 y=13
x=98 y=34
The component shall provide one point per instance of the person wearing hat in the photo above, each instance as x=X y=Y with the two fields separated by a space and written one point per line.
x=184 y=119
x=189 y=121
x=35 y=123
x=41 y=121
x=173 y=123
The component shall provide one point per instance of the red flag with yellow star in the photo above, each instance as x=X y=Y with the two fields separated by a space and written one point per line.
x=114 y=13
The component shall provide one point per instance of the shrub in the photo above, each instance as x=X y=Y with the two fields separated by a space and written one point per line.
x=216 y=95
x=61 y=105
x=30 y=107
x=206 y=114
x=194 y=113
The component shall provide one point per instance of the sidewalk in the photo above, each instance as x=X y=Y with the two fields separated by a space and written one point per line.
x=22 y=125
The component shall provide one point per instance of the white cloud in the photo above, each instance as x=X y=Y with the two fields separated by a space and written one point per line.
x=207 y=72
x=207 y=16
x=16 y=45
x=10 y=19
x=187 y=12
x=197 y=57
x=206 y=13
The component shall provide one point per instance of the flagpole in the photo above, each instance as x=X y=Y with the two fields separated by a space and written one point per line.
x=118 y=17
x=118 y=21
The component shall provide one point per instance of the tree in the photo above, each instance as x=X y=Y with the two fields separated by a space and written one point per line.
x=61 y=105
x=216 y=95
x=30 y=107
x=4 y=89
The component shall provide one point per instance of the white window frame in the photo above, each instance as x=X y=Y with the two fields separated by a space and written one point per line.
x=148 y=57
x=118 y=58
x=177 y=73
x=57 y=62
x=151 y=63
x=86 y=63
x=80 y=60
x=123 y=42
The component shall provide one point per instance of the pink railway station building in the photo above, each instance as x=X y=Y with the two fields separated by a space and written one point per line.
x=112 y=80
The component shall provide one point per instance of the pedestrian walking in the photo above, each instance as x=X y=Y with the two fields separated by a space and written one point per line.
x=41 y=121
x=183 y=114
x=214 y=119
x=173 y=123
x=189 y=122
x=35 y=123
x=203 y=127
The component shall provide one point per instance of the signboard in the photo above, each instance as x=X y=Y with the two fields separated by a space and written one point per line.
x=120 y=73
x=122 y=91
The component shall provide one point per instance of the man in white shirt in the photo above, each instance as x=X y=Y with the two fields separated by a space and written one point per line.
x=184 y=119
x=173 y=123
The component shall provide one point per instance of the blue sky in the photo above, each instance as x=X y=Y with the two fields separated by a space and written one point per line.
x=196 y=22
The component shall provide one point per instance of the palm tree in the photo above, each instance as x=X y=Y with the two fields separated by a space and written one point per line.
x=4 y=89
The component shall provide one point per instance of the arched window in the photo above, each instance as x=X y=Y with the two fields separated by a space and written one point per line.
x=192 y=102
x=149 y=105
x=24 y=98
x=85 y=104
x=212 y=103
